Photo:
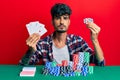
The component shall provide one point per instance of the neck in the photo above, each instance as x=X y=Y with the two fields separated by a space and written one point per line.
x=59 y=39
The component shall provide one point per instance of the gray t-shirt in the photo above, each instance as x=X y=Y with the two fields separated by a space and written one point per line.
x=60 y=54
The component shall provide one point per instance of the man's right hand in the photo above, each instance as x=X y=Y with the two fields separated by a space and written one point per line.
x=32 y=40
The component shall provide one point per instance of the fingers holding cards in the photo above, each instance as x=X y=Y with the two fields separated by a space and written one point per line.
x=35 y=30
x=32 y=40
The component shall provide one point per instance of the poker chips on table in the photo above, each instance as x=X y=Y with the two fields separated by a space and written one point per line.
x=78 y=67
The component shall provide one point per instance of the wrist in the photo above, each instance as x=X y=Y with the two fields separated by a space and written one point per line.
x=32 y=49
x=95 y=41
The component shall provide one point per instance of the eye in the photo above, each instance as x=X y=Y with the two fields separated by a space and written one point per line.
x=66 y=17
x=57 y=17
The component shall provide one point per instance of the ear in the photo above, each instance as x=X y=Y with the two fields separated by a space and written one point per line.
x=69 y=21
x=52 y=22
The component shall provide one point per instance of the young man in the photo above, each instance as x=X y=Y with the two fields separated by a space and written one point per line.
x=60 y=45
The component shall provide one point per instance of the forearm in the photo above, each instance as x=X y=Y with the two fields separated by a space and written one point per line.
x=98 y=50
x=26 y=58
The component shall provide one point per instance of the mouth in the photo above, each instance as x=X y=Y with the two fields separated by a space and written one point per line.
x=61 y=26
x=61 y=29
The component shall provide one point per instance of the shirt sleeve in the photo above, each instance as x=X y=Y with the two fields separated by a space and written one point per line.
x=30 y=58
x=93 y=58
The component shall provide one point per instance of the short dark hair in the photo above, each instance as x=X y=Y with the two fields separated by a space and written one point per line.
x=60 y=9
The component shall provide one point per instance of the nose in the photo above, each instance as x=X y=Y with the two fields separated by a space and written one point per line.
x=61 y=20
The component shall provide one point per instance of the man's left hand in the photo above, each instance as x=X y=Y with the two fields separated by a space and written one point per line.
x=95 y=29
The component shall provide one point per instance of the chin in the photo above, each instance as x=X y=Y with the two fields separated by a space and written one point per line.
x=61 y=31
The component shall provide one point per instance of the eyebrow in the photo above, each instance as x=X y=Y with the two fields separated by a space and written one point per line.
x=66 y=15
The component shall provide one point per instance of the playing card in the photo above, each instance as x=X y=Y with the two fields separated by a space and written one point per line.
x=86 y=20
x=36 y=27
x=42 y=30
x=28 y=71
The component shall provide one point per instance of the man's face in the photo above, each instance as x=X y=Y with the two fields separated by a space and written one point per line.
x=61 y=23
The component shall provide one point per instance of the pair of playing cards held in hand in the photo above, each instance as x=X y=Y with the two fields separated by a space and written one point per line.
x=36 y=27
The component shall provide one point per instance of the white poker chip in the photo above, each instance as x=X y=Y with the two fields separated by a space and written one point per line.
x=86 y=20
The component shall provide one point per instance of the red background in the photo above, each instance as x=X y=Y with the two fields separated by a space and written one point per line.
x=15 y=14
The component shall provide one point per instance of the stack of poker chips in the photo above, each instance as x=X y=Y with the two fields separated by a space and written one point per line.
x=75 y=61
x=78 y=67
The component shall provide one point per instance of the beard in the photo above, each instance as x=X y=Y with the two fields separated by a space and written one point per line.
x=61 y=31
